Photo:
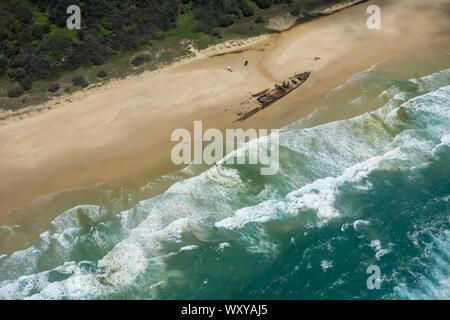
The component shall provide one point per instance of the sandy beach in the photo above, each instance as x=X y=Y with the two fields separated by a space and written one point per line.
x=123 y=129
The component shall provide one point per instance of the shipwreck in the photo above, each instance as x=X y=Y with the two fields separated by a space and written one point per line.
x=265 y=98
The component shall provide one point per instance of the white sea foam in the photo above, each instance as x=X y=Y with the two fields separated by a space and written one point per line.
x=326 y=264
x=318 y=196
x=70 y=218
x=434 y=283
x=222 y=246
x=356 y=225
x=189 y=248
x=379 y=251
x=332 y=156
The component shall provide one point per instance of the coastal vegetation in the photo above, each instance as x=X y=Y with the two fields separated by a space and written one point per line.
x=117 y=38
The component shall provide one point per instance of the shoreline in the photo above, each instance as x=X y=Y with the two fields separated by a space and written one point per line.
x=225 y=47
x=122 y=129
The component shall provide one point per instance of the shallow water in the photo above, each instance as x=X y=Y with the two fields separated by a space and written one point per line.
x=370 y=190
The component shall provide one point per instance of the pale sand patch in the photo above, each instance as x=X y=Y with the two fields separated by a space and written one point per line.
x=124 y=128
x=282 y=23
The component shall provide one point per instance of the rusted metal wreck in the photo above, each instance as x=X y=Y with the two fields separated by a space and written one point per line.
x=269 y=96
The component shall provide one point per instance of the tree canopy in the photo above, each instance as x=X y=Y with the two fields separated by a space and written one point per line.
x=35 y=43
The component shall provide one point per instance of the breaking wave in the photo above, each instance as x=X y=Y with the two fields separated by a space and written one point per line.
x=370 y=190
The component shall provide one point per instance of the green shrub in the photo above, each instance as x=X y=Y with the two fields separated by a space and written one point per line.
x=201 y=27
x=80 y=81
x=140 y=59
x=3 y=65
x=15 y=92
x=260 y=19
x=54 y=87
x=263 y=4
x=101 y=74
x=247 y=10
x=26 y=84
x=216 y=33
x=17 y=73
x=235 y=12
x=226 y=20
x=158 y=35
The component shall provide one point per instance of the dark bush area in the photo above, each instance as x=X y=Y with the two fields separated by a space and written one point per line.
x=140 y=59
x=35 y=42
x=101 y=74
x=260 y=19
x=15 y=92
x=247 y=10
x=227 y=20
x=26 y=84
x=216 y=33
x=53 y=87
x=263 y=4
x=3 y=65
x=80 y=81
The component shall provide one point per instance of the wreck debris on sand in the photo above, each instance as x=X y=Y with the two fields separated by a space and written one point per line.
x=267 y=97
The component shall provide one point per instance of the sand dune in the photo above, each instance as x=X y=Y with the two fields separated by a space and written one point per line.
x=123 y=129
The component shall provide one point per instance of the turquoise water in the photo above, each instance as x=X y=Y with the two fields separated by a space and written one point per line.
x=370 y=190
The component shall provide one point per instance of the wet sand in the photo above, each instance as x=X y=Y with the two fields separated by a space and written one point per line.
x=123 y=129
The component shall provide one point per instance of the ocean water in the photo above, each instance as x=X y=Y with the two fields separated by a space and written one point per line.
x=372 y=190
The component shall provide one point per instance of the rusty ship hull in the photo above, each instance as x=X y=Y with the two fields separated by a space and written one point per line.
x=269 y=96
